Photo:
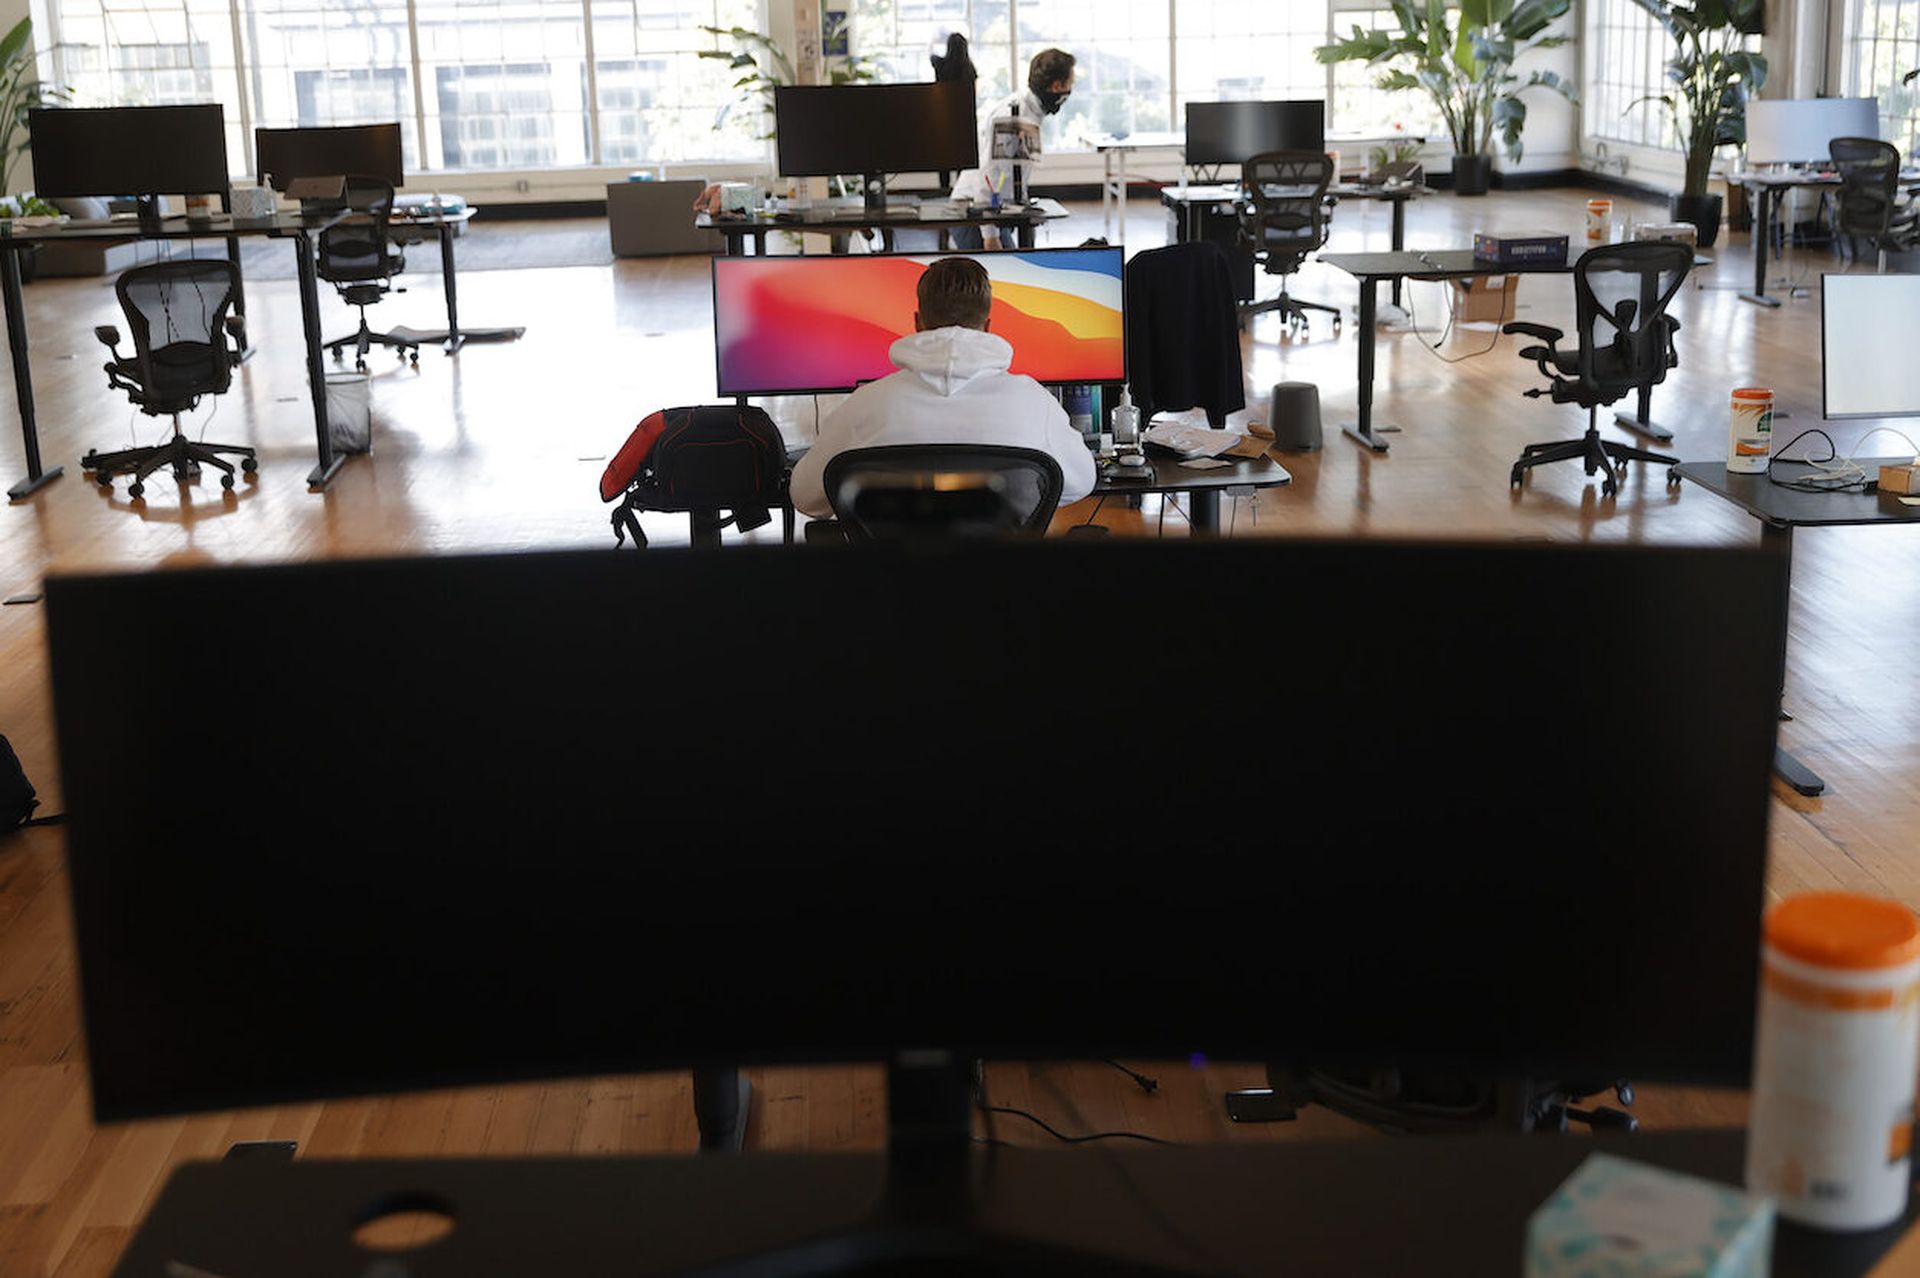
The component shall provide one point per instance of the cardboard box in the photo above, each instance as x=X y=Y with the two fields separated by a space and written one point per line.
x=1484 y=299
x=1901 y=480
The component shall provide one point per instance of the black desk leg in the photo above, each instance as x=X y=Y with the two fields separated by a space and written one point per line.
x=453 y=341
x=1399 y=240
x=22 y=377
x=316 y=371
x=1362 y=429
x=1803 y=779
x=1762 y=239
x=1203 y=512
x=240 y=297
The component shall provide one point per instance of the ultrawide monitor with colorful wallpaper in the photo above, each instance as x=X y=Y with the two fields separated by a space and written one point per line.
x=793 y=325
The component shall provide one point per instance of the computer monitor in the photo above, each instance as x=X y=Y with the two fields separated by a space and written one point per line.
x=366 y=150
x=1797 y=130
x=796 y=325
x=1231 y=132
x=144 y=152
x=875 y=130
x=1867 y=368
x=462 y=819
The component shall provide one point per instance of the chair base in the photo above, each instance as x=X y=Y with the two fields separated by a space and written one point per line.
x=366 y=339
x=1291 y=309
x=181 y=453
x=1599 y=455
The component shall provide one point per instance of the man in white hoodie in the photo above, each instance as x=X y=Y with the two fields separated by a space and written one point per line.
x=953 y=387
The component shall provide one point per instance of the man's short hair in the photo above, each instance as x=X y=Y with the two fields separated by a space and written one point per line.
x=955 y=293
x=1048 y=66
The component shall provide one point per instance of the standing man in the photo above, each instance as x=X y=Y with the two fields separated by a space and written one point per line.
x=1049 y=84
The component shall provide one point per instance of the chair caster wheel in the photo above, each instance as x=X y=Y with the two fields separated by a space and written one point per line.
x=360 y=365
x=105 y=481
x=249 y=465
x=87 y=463
x=339 y=356
x=1608 y=489
x=1513 y=480
x=136 y=489
x=226 y=481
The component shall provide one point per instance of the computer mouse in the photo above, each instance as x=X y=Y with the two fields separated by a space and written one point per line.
x=1132 y=461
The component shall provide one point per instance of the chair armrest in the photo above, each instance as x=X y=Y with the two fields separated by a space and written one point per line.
x=109 y=335
x=1541 y=331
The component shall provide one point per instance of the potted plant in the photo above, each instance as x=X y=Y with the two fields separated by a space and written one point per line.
x=1466 y=67
x=20 y=91
x=1712 y=78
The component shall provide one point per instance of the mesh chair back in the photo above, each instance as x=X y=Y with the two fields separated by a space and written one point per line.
x=942 y=490
x=1288 y=217
x=358 y=250
x=178 y=312
x=1621 y=293
x=1869 y=184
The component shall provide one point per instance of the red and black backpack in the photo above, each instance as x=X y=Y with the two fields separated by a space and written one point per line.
x=709 y=457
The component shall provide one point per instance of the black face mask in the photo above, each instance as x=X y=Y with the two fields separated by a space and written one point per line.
x=1051 y=102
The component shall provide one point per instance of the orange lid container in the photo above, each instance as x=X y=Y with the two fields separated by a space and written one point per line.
x=1753 y=393
x=1844 y=930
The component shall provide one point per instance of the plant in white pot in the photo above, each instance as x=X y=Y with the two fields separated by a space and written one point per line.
x=1463 y=58
x=1711 y=78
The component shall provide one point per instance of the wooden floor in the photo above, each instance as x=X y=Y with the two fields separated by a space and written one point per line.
x=501 y=447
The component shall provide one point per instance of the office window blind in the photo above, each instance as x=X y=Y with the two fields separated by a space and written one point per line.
x=1882 y=46
x=476 y=84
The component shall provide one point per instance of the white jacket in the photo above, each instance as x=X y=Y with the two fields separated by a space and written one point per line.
x=973 y=184
x=953 y=387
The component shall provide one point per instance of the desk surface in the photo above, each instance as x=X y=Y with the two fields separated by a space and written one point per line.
x=1436 y=264
x=1805 y=177
x=1161 y=141
x=1228 y=192
x=824 y=217
x=172 y=228
x=1789 y=508
x=1441 y=1205
x=1169 y=476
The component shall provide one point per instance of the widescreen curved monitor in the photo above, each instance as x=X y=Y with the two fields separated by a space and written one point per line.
x=801 y=325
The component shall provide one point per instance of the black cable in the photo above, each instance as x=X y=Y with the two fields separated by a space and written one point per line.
x=1823 y=484
x=1096 y=511
x=1453 y=312
x=1148 y=1083
x=1061 y=1136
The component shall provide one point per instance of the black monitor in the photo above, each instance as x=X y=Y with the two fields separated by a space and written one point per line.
x=1232 y=132
x=145 y=152
x=875 y=130
x=455 y=820
x=365 y=150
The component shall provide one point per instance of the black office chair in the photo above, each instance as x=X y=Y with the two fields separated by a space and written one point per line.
x=942 y=490
x=358 y=258
x=1284 y=221
x=1869 y=195
x=184 y=346
x=1621 y=293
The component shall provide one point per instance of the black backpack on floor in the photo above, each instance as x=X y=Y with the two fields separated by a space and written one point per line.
x=707 y=458
x=17 y=800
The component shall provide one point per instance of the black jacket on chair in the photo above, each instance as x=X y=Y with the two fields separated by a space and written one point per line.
x=1183 y=332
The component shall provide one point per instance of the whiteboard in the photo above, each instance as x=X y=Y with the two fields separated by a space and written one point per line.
x=1867 y=327
x=1797 y=130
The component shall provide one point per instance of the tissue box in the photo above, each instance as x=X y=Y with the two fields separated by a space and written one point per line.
x=251 y=202
x=1618 y=1219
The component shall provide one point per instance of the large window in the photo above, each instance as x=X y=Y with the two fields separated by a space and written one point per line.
x=1883 y=45
x=476 y=84
x=1626 y=59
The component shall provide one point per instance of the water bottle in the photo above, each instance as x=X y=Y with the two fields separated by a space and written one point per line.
x=1126 y=421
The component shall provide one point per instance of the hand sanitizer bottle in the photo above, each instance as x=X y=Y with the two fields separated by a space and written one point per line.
x=1126 y=421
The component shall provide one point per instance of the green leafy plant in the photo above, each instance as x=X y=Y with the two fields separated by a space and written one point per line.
x=20 y=91
x=1403 y=152
x=763 y=66
x=1711 y=77
x=1463 y=59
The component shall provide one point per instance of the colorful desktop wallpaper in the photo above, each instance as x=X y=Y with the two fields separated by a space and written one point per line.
x=824 y=323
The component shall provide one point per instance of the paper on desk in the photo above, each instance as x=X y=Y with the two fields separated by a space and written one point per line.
x=1204 y=463
x=1204 y=441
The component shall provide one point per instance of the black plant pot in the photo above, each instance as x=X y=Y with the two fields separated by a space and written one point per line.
x=1701 y=210
x=1472 y=174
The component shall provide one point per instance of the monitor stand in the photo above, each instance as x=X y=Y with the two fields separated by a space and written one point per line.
x=924 y=1221
x=875 y=187
x=148 y=209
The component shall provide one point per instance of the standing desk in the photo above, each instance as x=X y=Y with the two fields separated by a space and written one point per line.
x=1202 y=487
x=408 y=226
x=1780 y=511
x=1191 y=206
x=1370 y=269
x=1766 y=189
x=840 y=217
x=1449 y=1206
x=298 y=227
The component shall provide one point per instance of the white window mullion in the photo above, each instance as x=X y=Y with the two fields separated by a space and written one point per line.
x=419 y=82
x=593 y=82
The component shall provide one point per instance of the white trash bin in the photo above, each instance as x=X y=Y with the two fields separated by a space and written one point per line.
x=350 y=412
